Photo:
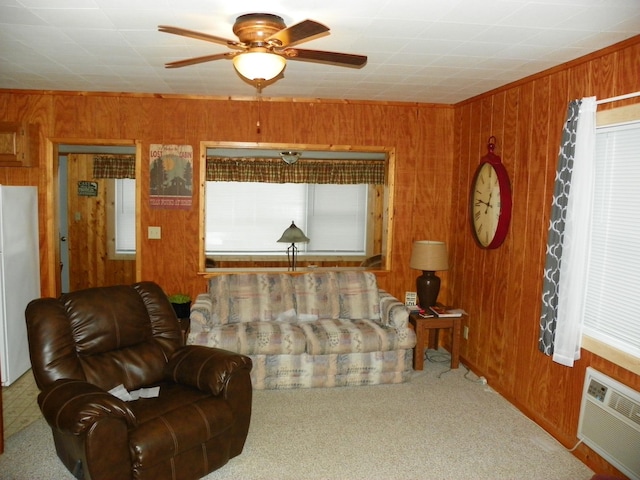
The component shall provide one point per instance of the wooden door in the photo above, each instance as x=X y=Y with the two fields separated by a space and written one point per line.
x=91 y=263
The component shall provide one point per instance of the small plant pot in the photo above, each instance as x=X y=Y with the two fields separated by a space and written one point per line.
x=182 y=309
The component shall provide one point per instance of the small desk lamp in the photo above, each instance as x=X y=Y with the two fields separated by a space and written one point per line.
x=292 y=235
x=429 y=257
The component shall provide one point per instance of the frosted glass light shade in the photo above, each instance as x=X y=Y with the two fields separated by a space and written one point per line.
x=259 y=65
x=293 y=235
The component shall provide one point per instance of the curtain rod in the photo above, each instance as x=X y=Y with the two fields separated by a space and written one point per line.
x=619 y=97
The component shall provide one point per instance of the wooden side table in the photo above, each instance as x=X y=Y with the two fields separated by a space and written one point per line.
x=427 y=330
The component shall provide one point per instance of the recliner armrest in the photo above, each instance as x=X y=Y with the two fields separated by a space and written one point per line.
x=205 y=368
x=73 y=406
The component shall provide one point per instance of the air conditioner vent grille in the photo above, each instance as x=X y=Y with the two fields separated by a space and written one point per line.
x=626 y=407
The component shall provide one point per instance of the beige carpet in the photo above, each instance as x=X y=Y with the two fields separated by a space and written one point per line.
x=440 y=425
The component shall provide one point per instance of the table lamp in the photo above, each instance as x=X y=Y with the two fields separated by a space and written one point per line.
x=428 y=256
x=293 y=235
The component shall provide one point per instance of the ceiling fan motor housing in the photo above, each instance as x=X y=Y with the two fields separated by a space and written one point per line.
x=254 y=28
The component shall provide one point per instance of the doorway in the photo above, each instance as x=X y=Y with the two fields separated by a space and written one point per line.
x=86 y=221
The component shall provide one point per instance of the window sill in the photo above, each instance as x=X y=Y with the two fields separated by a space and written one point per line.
x=212 y=272
x=620 y=358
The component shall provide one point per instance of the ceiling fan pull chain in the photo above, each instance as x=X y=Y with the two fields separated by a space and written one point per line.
x=259 y=97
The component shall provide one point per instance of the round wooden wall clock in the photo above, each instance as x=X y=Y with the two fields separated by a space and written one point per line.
x=490 y=200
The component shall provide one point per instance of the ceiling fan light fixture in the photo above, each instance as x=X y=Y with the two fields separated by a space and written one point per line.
x=259 y=65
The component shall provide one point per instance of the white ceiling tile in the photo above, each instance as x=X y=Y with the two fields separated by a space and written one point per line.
x=537 y=15
x=429 y=50
x=67 y=4
x=599 y=18
x=500 y=33
x=74 y=18
x=13 y=15
x=460 y=32
x=481 y=13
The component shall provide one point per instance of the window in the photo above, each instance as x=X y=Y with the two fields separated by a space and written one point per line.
x=612 y=302
x=122 y=218
x=247 y=218
x=340 y=196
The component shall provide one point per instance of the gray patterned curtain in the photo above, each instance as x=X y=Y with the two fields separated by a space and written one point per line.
x=555 y=238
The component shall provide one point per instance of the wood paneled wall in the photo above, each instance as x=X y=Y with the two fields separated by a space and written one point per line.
x=501 y=289
x=421 y=136
x=437 y=148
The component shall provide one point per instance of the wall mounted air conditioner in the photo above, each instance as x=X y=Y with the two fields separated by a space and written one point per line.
x=610 y=421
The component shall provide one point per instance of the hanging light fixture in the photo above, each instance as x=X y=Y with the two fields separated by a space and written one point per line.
x=292 y=235
x=259 y=64
x=290 y=157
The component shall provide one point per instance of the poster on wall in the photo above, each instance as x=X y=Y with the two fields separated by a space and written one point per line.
x=171 y=176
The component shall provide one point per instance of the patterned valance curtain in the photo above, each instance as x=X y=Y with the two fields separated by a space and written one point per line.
x=114 y=166
x=268 y=170
x=568 y=237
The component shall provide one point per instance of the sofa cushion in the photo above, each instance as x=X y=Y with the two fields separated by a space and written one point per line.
x=336 y=370
x=316 y=296
x=358 y=295
x=259 y=297
x=344 y=336
x=256 y=338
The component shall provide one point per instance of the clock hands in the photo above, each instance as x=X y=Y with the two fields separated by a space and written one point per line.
x=487 y=204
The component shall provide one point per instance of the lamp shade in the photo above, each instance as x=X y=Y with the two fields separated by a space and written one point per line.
x=430 y=256
x=259 y=65
x=293 y=235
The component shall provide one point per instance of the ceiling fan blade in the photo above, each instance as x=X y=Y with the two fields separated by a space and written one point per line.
x=196 y=60
x=199 y=36
x=297 y=33
x=319 y=56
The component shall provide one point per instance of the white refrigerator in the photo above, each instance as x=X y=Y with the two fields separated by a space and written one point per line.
x=19 y=276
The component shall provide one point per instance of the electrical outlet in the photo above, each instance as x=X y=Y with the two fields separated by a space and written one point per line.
x=465 y=332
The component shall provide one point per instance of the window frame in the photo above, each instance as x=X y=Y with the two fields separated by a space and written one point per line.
x=385 y=208
x=628 y=113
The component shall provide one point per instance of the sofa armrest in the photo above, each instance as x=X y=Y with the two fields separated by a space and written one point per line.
x=201 y=315
x=73 y=406
x=392 y=311
x=205 y=368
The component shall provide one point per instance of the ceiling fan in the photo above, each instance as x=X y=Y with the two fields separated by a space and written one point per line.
x=263 y=46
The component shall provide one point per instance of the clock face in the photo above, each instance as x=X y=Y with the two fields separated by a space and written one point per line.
x=490 y=205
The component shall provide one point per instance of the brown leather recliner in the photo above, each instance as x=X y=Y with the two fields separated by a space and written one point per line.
x=87 y=342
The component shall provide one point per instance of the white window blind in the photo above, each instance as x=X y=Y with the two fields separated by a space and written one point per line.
x=249 y=218
x=125 y=208
x=612 y=294
x=336 y=218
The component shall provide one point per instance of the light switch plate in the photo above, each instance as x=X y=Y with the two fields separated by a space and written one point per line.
x=154 y=233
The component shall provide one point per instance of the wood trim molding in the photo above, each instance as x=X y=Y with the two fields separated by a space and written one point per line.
x=612 y=354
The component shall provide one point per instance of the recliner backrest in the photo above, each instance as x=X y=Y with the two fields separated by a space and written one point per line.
x=106 y=335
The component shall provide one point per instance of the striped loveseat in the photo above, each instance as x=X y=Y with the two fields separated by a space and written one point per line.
x=316 y=329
